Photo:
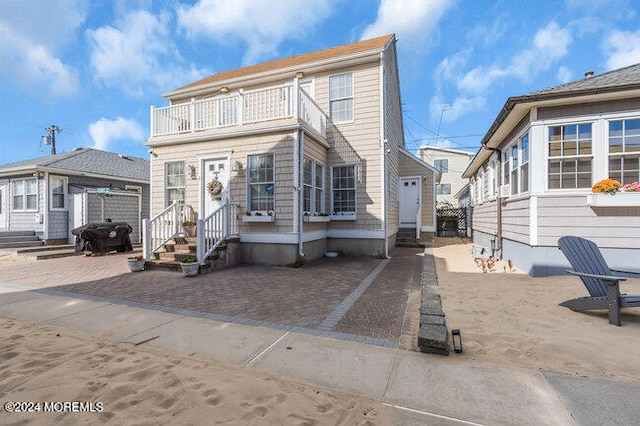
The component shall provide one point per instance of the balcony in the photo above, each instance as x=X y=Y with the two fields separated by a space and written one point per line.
x=237 y=109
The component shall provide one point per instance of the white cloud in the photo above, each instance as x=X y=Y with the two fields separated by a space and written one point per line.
x=138 y=51
x=456 y=109
x=411 y=20
x=623 y=48
x=32 y=33
x=104 y=131
x=261 y=24
x=479 y=79
x=564 y=75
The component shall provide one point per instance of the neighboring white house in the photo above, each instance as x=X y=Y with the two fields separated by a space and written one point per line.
x=450 y=164
x=531 y=179
x=297 y=156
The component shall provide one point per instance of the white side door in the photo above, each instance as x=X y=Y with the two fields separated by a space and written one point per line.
x=4 y=204
x=216 y=170
x=409 y=202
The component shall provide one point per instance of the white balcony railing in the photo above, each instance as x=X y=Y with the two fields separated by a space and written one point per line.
x=243 y=107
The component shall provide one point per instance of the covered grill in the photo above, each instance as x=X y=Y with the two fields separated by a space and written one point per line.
x=103 y=237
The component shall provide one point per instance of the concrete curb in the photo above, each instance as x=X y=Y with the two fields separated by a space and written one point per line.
x=433 y=334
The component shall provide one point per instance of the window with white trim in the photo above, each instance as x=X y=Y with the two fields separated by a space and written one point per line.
x=58 y=192
x=513 y=169
x=25 y=194
x=624 y=150
x=313 y=186
x=570 y=156
x=443 y=189
x=174 y=182
x=343 y=189
x=341 y=98
x=491 y=179
x=261 y=182
x=441 y=165
x=524 y=163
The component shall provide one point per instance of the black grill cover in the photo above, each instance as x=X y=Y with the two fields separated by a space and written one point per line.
x=103 y=237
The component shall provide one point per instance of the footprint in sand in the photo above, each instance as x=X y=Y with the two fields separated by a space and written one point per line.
x=212 y=397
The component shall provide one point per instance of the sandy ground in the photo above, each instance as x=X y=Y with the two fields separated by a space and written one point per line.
x=138 y=386
x=10 y=258
x=509 y=318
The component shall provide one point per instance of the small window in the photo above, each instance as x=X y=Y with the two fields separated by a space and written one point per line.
x=313 y=186
x=58 y=196
x=174 y=182
x=570 y=156
x=261 y=182
x=443 y=189
x=25 y=194
x=344 y=190
x=441 y=165
x=341 y=98
x=624 y=150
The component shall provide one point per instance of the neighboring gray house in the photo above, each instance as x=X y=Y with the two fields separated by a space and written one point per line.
x=531 y=179
x=54 y=194
x=449 y=163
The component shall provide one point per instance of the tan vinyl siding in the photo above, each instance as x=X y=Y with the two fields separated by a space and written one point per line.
x=395 y=140
x=615 y=227
x=414 y=168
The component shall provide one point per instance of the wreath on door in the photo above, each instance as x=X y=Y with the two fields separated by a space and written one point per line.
x=214 y=188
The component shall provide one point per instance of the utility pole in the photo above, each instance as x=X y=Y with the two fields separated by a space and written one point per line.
x=51 y=138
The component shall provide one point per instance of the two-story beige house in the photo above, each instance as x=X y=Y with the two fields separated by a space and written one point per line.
x=297 y=157
x=449 y=164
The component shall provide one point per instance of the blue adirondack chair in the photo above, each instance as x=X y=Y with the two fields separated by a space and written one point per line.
x=604 y=287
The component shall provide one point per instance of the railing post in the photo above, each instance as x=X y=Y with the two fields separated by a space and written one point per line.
x=296 y=98
x=200 y=239
x=146 y=239
x=227 y=219
x=241 y=107
x=192 y=115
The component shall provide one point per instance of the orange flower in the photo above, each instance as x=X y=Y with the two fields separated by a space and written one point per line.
x=610 y=186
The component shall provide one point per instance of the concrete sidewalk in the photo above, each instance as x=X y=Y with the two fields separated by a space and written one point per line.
x=418 y=388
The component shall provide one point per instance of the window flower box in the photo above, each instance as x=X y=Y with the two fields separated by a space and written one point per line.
x=618 y=199
x=311 y=219
x=259 y=218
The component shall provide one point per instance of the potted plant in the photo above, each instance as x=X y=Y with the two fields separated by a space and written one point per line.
x=190 y=266
x=136 y=263
x=189 y=228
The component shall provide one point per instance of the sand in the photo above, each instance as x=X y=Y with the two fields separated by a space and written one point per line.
x=513 y=319
x=137 y=386
x=10 y=258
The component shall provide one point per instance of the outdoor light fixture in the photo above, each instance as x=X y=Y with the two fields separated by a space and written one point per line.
x=192 y=171
x=224 y=89
x=237 y=167
x=456 y=338
x=299 y=74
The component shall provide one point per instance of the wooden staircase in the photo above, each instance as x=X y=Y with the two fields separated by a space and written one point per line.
x=178 y=248
x=407 y=238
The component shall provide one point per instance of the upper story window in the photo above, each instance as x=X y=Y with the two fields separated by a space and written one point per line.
x=624 y=150
x=174 y=182
x=343 y=182
x=261 y=182
x=25 y=194
x=570 y=156
x=341 y=98
x=313 y=187
x=58 y=195
x=441 y=165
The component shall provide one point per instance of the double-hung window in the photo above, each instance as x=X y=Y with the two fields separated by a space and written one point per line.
x=570 y=156
x=341 y=98
x=261 y=182
x=441 y=165
x=513 y=167
x=491 y=179
x=25 y=194
x=443 y=189
x=313 y=186
x=343 y=182
x=58 y=192
x=524 y=164
x=624 y=150
x=174 y=182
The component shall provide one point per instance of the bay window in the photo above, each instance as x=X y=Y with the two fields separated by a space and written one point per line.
x=313 y=186
x=624 y=150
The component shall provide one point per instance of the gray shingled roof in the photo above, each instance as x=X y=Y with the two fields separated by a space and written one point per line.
x=617 y=78
x=88 y=160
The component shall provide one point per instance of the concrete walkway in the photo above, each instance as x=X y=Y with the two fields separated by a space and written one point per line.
x=418 y=388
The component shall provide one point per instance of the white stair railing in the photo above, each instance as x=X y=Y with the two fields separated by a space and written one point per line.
x=214 y=229
x=158 y=231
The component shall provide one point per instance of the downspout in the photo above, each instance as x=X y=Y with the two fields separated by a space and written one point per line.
x=498 y=246
x=383 y=157
x=45 y=207
x=300 y=193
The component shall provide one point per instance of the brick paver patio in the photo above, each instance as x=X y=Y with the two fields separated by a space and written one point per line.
x=269 y=295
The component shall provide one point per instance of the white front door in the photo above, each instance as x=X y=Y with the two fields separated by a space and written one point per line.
x=4 y=205
x=409 y=202
x=216 y=184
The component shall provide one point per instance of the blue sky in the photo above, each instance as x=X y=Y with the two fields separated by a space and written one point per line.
x=93 y=68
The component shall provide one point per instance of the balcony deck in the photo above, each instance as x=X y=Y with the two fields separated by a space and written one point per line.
x=241 y=108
